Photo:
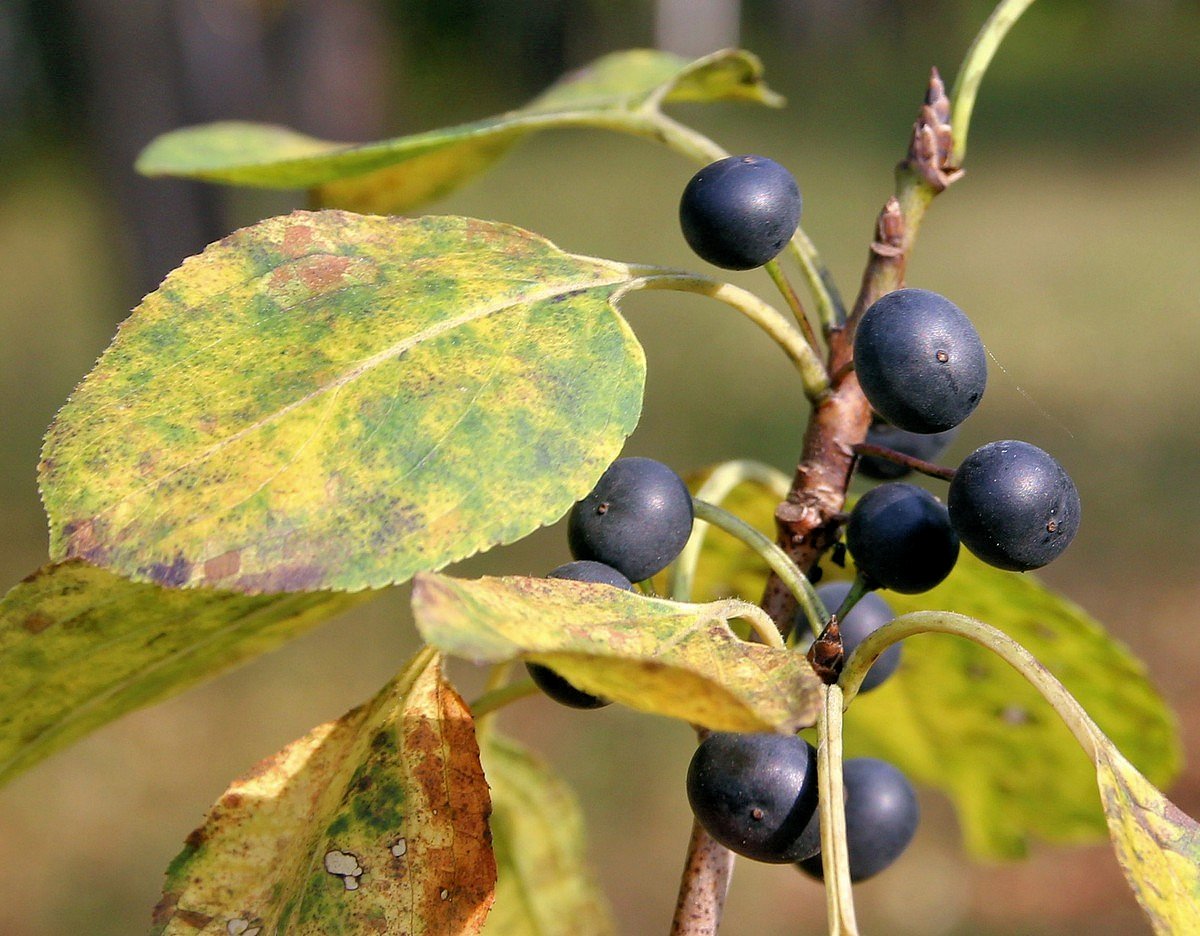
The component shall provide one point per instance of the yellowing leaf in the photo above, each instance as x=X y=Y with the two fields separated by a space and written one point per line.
x=375 y=823
x=329 y=400
x=543 y=885
x=669 y=658
x=955 y=718
x=80 y=646
x=394 y=176
x=1157 y=845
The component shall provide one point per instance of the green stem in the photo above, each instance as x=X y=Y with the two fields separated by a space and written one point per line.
x=975 y=64
x=1016 y=656
x=765 y=316
x=773 y=556
x=853 y=597
x=830 y=308
x=831 y=799
x=779 y=278
x=495 y=699
x=719 y=484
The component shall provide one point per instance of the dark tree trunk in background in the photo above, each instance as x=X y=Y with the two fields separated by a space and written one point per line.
x=154 y=65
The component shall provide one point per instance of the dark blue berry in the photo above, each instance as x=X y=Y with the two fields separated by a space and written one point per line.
x=562 y=691
x=1013 y=505
x=549 y=681
x=740 y=212
x=919 y=361
x=754 y=793
x=868 y=615
x=925 y=446
x=586 y=570
x=881 y=818
x=637 y=518
x=900 y=537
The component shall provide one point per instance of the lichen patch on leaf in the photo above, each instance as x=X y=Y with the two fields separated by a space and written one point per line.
x=307 y=842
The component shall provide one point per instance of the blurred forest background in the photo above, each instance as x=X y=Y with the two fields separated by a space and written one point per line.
x=1072 y=243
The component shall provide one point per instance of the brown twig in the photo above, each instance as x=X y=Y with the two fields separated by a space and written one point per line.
x=908 y=461
x=808 y=521
x=705 y=883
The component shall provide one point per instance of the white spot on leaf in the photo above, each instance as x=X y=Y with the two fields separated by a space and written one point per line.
x=400 y=849
x=345 y=866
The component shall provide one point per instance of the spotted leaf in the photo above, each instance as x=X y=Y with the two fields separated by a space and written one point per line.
x=374 y=823
x=329 y=400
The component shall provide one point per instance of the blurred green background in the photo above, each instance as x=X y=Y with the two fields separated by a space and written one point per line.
x=1071 y=243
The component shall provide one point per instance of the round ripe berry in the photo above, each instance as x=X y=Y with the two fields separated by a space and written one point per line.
x=637 y=518
x=754 y=793
x=740 y=212
x=1013 y=505
x=868 y=615
x=546 y=679
x=919 y=361
x=562 y=691
x=586 y=570
x=881 y=818
x=925 y=446
x=900 y=537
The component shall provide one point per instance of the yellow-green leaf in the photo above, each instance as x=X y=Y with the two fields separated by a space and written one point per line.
x=396 y=175
x=1157 y=845
x=544 y=886
x=669 y=658
x=329 y=400
x=80 y=646
x=374 y=823
x=955 y=718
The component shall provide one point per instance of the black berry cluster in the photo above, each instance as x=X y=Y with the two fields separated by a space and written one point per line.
x=756 y=794
x=631 y=526
x=923 y=369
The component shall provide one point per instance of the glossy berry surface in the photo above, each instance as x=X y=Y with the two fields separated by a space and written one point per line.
x=546 y=679
x=755 y=793
x=740 y=212
x=900 y=537
x=868 y=615
x=637 y=518
x=881 y=818
x=919 y=360
x=1013 y=505
x=925 y=446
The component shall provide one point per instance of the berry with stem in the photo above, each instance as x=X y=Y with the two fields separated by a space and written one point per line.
x=900 y=537
x=740 y=212
x=636 y=519
x=919 y=361
x=755 y=793
x=1013 y=505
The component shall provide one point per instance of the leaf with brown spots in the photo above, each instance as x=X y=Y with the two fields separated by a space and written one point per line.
x=374 y=823
x=394 y=176
x=329 y=400
x=80 y=646
x=543 y=883
x=664 y=657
